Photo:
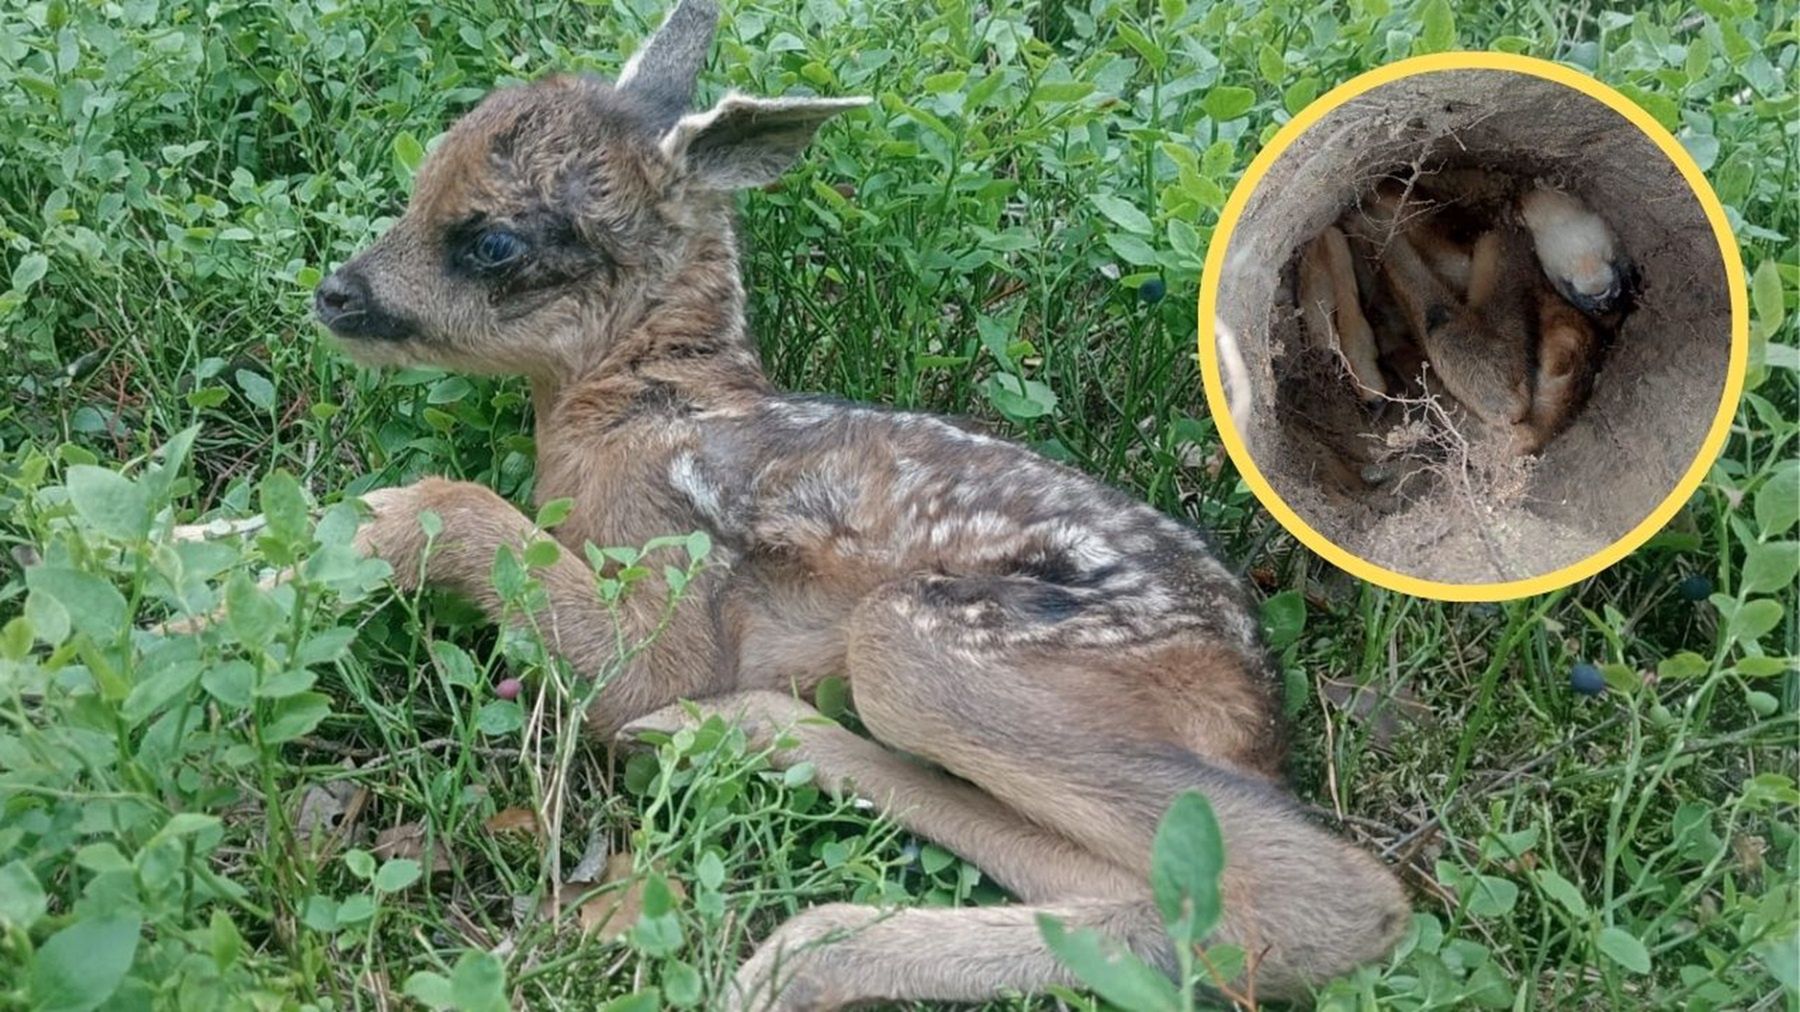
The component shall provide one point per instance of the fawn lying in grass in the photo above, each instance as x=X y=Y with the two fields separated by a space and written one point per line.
x=1066 y=659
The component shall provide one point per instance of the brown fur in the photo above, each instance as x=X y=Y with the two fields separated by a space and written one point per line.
x=1474 y=302
x=1481 y=358
x=1066 y=658
x=1333 y=312
x=1568 y=354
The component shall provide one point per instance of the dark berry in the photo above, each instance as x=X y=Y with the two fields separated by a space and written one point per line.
x=509 y=688
x=1587 y=680
x=1153 y=290
x=1694 y=587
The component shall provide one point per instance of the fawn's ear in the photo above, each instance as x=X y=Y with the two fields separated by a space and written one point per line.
x=664 y=70
x=746 y=141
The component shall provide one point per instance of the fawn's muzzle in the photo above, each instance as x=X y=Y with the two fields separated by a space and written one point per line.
x=344 y=303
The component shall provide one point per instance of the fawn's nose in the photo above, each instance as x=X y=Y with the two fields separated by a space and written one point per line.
x=342 y=298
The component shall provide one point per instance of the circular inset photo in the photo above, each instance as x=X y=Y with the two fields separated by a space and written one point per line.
x=1473 y=326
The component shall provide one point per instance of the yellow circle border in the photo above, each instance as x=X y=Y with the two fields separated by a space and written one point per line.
x=1728 y=403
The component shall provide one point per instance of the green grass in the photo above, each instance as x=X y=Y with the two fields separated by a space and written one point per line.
x=174 y=179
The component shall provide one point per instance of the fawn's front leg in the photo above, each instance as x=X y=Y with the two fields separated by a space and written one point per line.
x=476 y=524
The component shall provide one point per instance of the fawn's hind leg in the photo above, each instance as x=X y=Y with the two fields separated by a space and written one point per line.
x=929 y=679
x=1031 y=863
x=839 y=954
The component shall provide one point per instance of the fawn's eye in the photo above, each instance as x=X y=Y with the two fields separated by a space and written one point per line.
x=496 y=248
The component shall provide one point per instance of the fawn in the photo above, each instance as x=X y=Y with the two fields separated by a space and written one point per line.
x=1064 y=659
x=1511 y=314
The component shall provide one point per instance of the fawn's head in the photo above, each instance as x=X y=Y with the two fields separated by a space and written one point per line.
x=552 y=217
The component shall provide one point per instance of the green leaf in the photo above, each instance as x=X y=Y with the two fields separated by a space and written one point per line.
x=710 y=871
x=251 y=612
x=231 y=683
x=1623 y=948
x=658 y=899
x=949 y=80
x=832 y=696
x=1300 y=94
x=354 y=909
x=456 y=665
x=161 y=686
x=1765 y=298
x=1685 y=664
x=325 y=646
x=94 y=606
x=1488 y=895
x=408 y=152
x=1781 y=957
x=1187 y=857
x=1108 y=969
x=1762 y=667
x=798 y=775
x=1219 y=158
x=1270 y=64
x=1184 y=239
x=1771 y=567
x=1754 y=620
x=1562 y=891
x=360 y=862
x=158 y=481
x=430 y=989
x=554 y=512
x=22 y=899
x=1017 y=399
x=1228 y=102
x=1152 y=53
x=226 y=942
x=294 y=716
x=48 y=619
x=257 y=389
x=1437 y=28
x=1283 y=618
x=1123 y=213
x=82 y=965
x=1699 y=54
x=1132 y=249
x=933 y=859
x=542 y=552
x=1778 y=500
x=284 y=509
x=478 y=984
x=397 y=874
x=319 y=913
x=286 y=683
x=500 y=717
x=681 y=983
x=29 y=271
x=113 y=504
x=1061 y=91
x=449 y=390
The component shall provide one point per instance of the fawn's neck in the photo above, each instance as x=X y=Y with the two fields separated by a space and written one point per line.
x=689 y=342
